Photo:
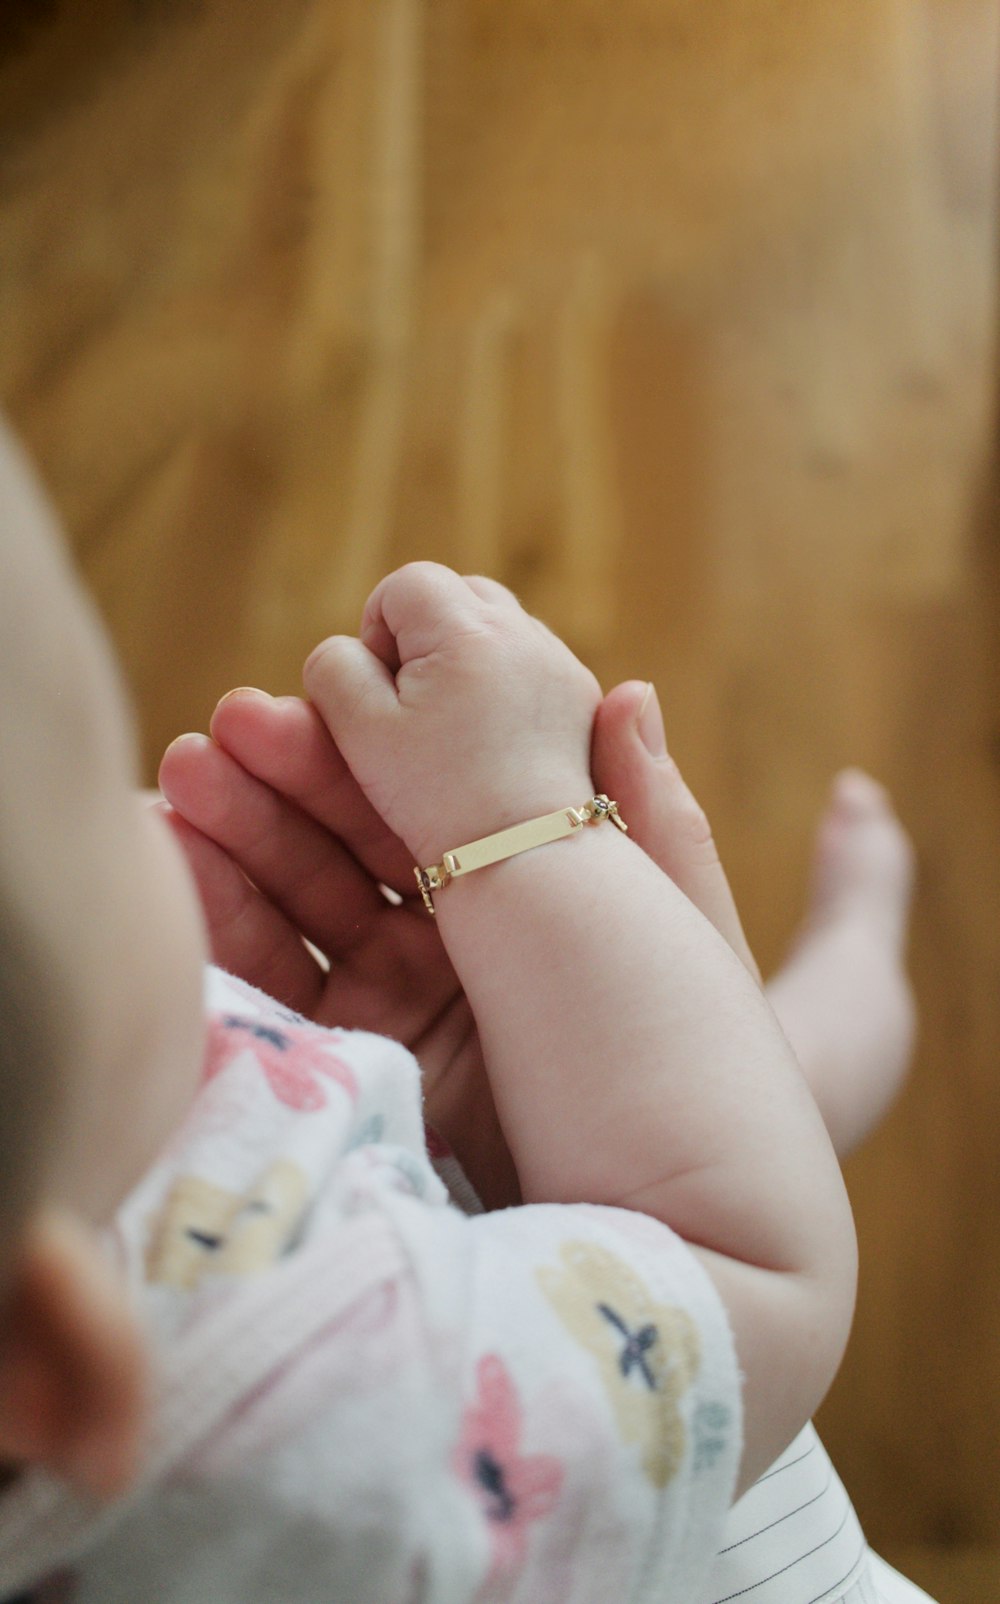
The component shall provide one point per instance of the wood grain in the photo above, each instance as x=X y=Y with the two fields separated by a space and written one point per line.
x=681 y=319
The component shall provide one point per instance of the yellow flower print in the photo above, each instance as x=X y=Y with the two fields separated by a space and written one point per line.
x=204 y=1229
x=648 y=1353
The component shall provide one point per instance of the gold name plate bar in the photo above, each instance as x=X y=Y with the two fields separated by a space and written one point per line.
x=518 y=838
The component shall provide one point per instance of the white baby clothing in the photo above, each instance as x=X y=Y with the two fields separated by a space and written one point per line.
x=370 y=1392
x=366 y=1396
x=794 y=1538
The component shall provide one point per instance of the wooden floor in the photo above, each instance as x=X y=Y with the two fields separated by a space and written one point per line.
x=678 y=318
x=967 y=1573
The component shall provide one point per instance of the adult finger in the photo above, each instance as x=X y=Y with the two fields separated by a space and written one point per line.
x=631 y=763
x=284 y=742
x=303 y=870
x=249 y=936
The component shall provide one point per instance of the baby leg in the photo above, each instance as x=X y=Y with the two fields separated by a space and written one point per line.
x=842 y=996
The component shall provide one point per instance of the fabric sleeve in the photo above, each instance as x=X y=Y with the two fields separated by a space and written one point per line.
x=538 y=1404
x=598 y=1432
x=380 y=1398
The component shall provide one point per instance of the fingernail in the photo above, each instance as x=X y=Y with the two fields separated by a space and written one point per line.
x=649 y=723
x=243 y=690
x=189 y=735
x=314 y=657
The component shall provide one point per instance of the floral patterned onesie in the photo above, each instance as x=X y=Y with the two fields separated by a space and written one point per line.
x=366 y=1395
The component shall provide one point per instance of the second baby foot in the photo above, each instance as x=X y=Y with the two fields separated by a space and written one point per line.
x=863 y=866
x=843 y=996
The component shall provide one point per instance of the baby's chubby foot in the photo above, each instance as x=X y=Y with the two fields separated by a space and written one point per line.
x=843 y=996
x=863 y=867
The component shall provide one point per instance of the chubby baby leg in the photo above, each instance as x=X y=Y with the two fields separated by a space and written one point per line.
x=843 y=997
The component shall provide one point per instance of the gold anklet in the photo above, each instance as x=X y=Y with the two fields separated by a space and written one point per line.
x=518 y=838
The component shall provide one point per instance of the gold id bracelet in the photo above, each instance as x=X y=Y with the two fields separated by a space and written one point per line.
x=519 y=838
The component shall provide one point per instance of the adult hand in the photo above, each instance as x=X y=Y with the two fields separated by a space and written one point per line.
x=286 y=850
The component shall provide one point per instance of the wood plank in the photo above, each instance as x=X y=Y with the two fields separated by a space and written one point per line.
x=954 y=1575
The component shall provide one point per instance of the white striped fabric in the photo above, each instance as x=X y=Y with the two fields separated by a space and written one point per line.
x=794 y=1538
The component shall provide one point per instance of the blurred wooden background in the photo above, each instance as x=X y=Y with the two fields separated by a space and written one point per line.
x=680 y=318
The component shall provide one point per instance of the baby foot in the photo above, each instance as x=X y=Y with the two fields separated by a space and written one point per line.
x=843 y=997
x=863 y=867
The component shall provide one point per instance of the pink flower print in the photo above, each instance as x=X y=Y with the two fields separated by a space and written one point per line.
x=513 y=1489
x=295 y=1058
